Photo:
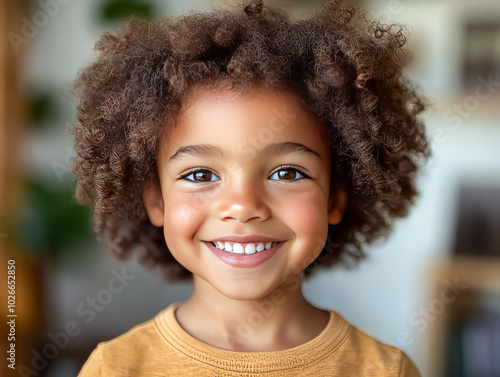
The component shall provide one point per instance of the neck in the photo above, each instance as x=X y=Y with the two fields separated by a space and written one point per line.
x=280 y=320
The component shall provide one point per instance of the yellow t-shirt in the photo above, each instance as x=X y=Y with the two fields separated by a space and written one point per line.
x=161 y=347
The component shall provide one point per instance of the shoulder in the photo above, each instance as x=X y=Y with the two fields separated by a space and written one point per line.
x=373 y=357
x=136 y=339
x=126 y=355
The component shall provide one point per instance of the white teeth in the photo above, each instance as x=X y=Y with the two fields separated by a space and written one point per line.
x=249 y=248
x=238 y=249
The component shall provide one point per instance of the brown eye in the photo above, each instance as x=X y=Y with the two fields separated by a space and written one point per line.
x=200 y=175
x=288 y=174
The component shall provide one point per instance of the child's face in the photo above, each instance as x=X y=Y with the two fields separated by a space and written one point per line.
x=244 y=187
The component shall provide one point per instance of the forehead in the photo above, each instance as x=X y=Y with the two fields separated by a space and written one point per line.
x=239 y=120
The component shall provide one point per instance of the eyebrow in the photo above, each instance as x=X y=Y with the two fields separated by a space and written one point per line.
x=208 y=150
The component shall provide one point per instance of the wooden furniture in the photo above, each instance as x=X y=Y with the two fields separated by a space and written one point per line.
x=475 y=283
x=28 y=298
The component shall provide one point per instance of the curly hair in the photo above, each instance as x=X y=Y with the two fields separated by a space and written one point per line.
x=344 y=68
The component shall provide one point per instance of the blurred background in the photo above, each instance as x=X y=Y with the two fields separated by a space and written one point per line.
x=432 y=289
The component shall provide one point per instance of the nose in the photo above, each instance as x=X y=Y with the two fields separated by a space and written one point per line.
x=242 y=201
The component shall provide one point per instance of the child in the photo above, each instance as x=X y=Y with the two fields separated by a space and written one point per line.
x=242 y=150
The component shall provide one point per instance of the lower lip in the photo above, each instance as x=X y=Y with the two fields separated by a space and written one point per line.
x=244 y=260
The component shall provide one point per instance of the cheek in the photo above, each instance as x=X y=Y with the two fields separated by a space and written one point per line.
x=307 y=216
x=182 y=218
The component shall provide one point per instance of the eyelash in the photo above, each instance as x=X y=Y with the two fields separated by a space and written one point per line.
x=284 y=167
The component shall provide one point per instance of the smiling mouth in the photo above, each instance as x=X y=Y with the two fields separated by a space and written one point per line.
x=244 y=247
x=244 y=254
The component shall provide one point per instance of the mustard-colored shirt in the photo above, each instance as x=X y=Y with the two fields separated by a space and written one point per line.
x=161 y=347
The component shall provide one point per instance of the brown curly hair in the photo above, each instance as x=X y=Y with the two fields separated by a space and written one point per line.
x=344 y=68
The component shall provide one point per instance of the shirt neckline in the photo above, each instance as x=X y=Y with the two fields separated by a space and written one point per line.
x=325 y=343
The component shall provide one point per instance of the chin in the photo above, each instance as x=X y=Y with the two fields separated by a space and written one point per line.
x=241 y=291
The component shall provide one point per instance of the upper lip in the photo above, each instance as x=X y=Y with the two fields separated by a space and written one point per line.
x=243 y=239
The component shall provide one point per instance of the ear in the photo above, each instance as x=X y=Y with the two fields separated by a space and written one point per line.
x=337 y=204
x=153 y=201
